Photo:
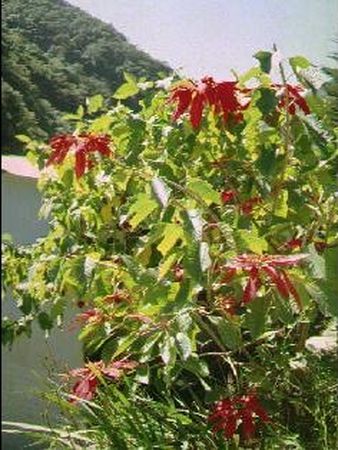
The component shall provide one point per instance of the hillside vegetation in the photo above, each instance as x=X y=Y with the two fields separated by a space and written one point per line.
x=54 y=56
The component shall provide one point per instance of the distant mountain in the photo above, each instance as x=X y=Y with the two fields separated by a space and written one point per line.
x=54 y=56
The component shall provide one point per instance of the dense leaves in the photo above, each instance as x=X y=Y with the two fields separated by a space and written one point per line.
x=181 y=245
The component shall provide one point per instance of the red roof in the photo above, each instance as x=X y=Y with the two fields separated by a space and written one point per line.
x=20 y=166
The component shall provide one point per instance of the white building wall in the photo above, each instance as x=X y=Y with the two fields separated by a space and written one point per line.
x=25 y=368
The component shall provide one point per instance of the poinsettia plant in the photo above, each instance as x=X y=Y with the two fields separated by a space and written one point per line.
x=197 y=236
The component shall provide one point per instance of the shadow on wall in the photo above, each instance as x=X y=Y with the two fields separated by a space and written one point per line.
x=25 y=368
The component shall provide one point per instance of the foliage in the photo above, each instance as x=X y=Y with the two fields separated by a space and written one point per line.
x=203 y=249
x=54 y=56
x=331 y=87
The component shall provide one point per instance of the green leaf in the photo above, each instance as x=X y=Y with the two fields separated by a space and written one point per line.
x=168 y=350
x=108 y=350
x=267 y=101
x=184 y=345
x=45 y=321
x=282 y=310
x=130 y=78
x=204 y=190
x=94 y=103
x=254 y=72
x=147 y=348
x=166 y=265
x=281 y=206
x=264 y=59
x=329 y=290
x=191 y=261
x=299 y=62
x=229 y=333
x=141 y=209
x=7 y=238
x=124 y=344
x=331 y=264
x=255 y=317
x=142 y=375
x=101 y=124
x=316 y=263
x=90 y=263
x=184 y=322
x=23 y=138
x=80 y=112
x=196 y=366
x=171 y=234
x=249 y=240
x=127 y=89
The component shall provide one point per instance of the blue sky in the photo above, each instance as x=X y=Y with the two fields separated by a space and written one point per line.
x=213 y=36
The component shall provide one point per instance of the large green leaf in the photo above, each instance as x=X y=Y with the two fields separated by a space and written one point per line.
x=281 y=206
x=267 y=101
x=94 y=103
x=197 y=366
x=264 y=59
x=316 y=263
x=191 y=261
x=141 y=209
x=229 y=332
x=168 y=349
x=255 y=317
x=171 y=234
x=166 y=265
x=204 y=190
x=249 y=240
x=299 y=62
x=127 y=89
x=184 y=345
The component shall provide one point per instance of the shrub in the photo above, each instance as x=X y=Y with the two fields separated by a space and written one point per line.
x=198 y=238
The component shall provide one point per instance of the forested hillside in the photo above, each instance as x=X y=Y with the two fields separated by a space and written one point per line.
x=54 y=56
x=331 y=86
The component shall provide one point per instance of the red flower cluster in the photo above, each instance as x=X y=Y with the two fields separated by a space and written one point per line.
x=83 y=146
x=292 y=95
x=227 y=196
x=270 y=265
x=230 y=413
x=88 y=376
x=223 y=97
x=247 y=206
x=294 y=243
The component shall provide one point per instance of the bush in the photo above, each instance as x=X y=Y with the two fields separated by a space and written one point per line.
x=198 y=237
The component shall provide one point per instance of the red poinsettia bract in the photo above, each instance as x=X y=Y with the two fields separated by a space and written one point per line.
x=230 y=413
x=88 y=377
x=270 y=265
x=291 y=95
x=223 y=97
x=83 y=146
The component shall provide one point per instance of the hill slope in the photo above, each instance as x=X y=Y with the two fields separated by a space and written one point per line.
x=54 y=56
